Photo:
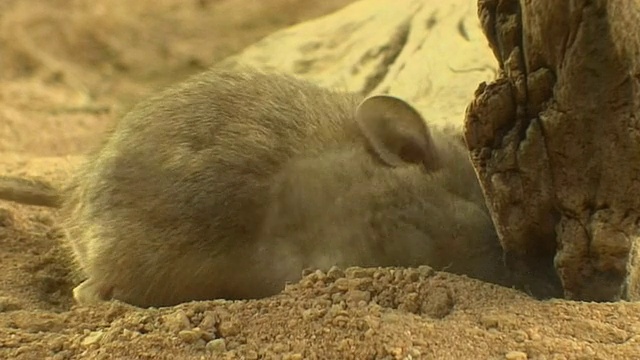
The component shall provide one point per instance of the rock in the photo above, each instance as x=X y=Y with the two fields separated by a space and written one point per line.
x=366 y=48
x=189 y=336
x=93 y=337
x=229 y=328
x=178 y=321
x=556 y=142
x=515 y=355
x=216 y=346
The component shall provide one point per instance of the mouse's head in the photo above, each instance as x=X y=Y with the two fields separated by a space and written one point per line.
x=429 y=183
x=410 y=196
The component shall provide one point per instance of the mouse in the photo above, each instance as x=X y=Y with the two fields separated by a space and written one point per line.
x=232 y=183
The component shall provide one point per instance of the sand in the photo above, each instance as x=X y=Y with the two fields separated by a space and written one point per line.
x=71 y=68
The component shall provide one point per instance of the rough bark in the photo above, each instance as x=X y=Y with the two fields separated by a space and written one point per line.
x=556 y=141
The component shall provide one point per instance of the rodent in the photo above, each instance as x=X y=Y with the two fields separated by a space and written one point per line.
x=29 y=191
x=231 y=183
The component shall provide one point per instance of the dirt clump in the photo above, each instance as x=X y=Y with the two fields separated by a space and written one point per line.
x=70 y=68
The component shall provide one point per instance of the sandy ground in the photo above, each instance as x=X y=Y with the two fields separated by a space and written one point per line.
x=71 y=67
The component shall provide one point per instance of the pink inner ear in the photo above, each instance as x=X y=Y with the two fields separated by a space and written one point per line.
x=411 y=153
x=415 y=155
x=424 y=153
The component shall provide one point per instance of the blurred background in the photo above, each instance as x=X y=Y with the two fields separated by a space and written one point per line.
x=69 y=67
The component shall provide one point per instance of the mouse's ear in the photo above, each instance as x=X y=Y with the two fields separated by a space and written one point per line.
x=396 y=132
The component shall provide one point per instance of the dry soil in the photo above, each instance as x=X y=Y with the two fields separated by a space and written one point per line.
x=69 y=68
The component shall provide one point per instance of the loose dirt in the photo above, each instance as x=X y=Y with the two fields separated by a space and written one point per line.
x=69 y=68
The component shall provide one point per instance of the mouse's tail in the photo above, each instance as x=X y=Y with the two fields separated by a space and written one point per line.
x=29 y=192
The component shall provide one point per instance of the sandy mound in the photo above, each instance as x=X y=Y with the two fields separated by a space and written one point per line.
x=69 y=68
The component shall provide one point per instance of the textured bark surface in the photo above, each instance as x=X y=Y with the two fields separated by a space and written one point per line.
x=556 y=141
x=386 y=313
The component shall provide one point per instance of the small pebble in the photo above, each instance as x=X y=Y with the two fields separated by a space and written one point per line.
x=515 y=355
x=357 y=272
x=209 y=321
x=228 y=328
x=520 y=336
x=415 y=353
x=426 y=271
x=357 y=296
x=335 y=273
x=178 y=321
x=216 y=346
x=94 y=337
x=251 y=355
x=188 y=336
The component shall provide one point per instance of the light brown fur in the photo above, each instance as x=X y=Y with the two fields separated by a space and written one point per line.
x=231 y=183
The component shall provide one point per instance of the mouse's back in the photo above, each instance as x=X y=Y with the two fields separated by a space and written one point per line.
x=185 y=174
x=211 y=144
